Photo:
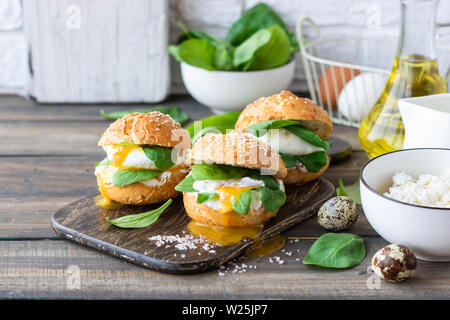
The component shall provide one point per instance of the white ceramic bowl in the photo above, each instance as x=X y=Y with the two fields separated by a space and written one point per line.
x=425 y=230
x=226 y=91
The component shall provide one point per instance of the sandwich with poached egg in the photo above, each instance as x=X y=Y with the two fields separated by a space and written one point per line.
x=296 y=128
x=145 y=159
x=235 y=181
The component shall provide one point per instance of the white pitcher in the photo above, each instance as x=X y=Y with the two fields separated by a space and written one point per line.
x=427 y=121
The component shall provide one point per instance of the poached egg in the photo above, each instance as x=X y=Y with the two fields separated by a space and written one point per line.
x=229 y=191
x=284 y=141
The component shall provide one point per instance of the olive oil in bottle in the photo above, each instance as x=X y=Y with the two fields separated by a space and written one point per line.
x=415 y=73
x=412 y=76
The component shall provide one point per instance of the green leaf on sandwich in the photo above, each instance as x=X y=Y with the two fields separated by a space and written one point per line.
x=173 y=112
x=186 y=185
x=261 y=128
x=161 y=156
x=272 y=199
x=313 y=162
x=204 y=196
x=103 y=163
x=126 y=177
x=216 y=171
x=309 y=136
x=272 y=196
x=242 y=205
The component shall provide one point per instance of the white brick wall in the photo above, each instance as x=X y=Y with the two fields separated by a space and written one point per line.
x=216 y=16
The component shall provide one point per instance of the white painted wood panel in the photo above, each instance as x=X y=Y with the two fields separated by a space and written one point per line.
x=97 y=51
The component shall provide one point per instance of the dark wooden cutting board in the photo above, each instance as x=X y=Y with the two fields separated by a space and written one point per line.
x=83 y=222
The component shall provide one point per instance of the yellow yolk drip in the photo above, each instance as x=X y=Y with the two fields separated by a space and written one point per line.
x=228 y=194
x=117 y=160
x=223 y=236
x=268 y=247
x=121 y=154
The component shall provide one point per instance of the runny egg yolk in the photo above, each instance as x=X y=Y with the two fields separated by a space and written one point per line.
x=228 y=195
x=121 y=153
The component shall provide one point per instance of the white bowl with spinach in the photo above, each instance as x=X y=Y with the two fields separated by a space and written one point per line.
x=255 y=59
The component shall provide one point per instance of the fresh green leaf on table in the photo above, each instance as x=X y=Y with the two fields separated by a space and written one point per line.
x=175 y=113
x=161 y=156
x=141 y=220
x=352 y=191
x=126 y=177
x=260 y=16
x=196 y=52
x=336 y=250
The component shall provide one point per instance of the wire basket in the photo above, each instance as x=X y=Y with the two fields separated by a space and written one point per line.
x=332 y=65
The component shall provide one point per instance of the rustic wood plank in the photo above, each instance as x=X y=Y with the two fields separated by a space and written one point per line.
x=84 y=222
x=28 y=128
x=40 y=269
x=41 y=185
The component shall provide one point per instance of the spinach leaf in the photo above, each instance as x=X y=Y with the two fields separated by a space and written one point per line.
x=126 y=177
x=289 y=160
x=352 y=191
x=189 y=34
x=186 y=185
x=246 y=51
x=173 y=112
x=104 y=162
x=336 y=250
x=314 y=161
x=214 y=171
x=272 y=199
x=196 y=52
x=276 y=52
x=140 y=220
x=309 y=136
x=220 y=122
x=269 y=181
x=242 y=205
x=223 y=58
x=204 y=196
x=161 y=156
x=260 y=16
x=256 y=128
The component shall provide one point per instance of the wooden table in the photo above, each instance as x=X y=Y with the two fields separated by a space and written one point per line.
x=47 y=155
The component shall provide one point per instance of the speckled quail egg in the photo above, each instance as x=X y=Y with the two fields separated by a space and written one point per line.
x=338 y=213
x=394 y=263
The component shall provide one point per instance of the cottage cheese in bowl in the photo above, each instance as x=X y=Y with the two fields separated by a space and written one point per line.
x=426 y=190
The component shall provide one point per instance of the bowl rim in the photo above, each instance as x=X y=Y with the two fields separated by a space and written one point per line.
x=291 y=61
x=361 y=177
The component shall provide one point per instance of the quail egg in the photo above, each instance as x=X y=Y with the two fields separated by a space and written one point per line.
x=394 y=263
x=338 y=213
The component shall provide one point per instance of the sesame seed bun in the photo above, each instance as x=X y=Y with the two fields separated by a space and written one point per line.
x=239 y=149
x=298 y=176
x=287 y=106
x=153 y=128
x=141 y=194
x=209 y=216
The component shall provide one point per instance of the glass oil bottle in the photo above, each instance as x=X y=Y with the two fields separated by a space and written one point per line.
x=414 y=73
